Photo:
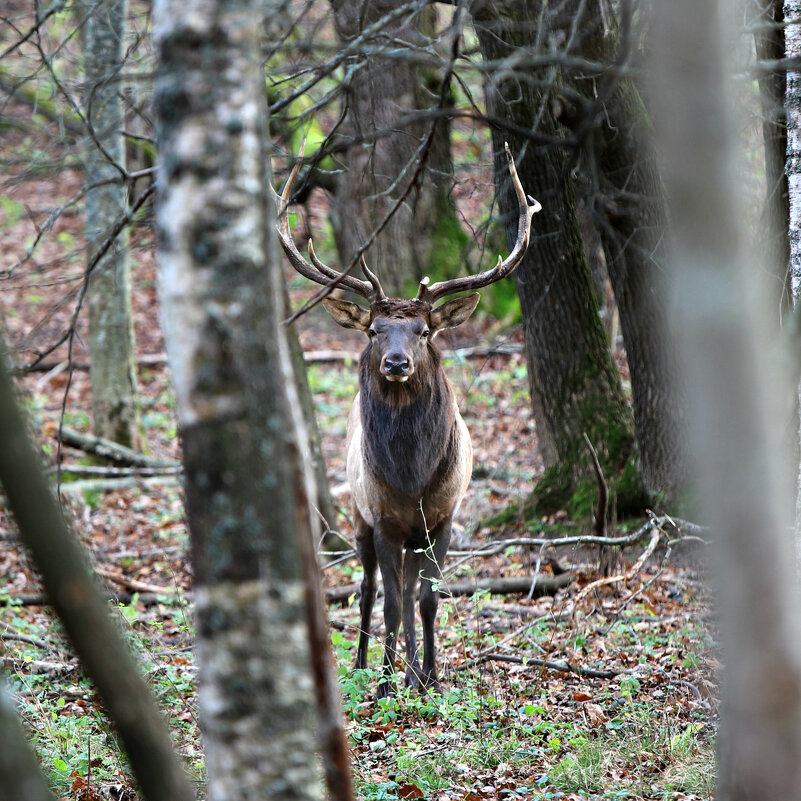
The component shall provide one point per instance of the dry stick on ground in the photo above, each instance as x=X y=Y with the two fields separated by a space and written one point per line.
x=561 y=667
x=544 y=585
x=656 y=534
x=654 y=525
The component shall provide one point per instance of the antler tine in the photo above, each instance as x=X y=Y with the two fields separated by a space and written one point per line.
x=317 y=271
x=378 y=292
x=528 y=208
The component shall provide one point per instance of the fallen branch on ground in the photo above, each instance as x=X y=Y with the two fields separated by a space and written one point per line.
x=543 y=585
x=110 y=450
x=561 y=667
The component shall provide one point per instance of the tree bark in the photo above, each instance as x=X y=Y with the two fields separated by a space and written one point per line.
x=19 y=771
x=575 y=386
x=111 y=337
x=792 y=34
x=722 y=322
x=767 y=19
x=382 y=156
x=623 y=187
x=249 y=488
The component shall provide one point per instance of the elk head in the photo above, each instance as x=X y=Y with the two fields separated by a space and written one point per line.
x=400 y=331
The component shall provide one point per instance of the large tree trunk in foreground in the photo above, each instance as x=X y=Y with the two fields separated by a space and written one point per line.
x=740 y=460
x=111 y=339
x=575 y=386
x=248 y=484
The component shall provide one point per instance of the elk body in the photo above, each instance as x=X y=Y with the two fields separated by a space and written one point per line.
x=409 y=455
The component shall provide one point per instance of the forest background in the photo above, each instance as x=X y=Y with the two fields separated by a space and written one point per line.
x=666 y=351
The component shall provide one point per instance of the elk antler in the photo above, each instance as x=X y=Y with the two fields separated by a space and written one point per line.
x=317 y=271
x=528 y=208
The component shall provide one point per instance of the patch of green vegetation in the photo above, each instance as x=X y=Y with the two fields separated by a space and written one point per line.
x=638 y=754
x=11 y=210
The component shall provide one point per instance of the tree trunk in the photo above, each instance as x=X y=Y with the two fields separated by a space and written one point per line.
x=63 y=566
x=624 y=189
x=323 y=504
x=248 y=485
x=767 y=19
x=382 y=157
x=111 y=340
x=19 y=771
x=723 y=323
x=792 y=34
x=575 y=386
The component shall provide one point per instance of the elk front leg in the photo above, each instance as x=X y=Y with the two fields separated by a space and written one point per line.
x=412 y=560
x=433 y=560
x=389 y=551
x=365 y=547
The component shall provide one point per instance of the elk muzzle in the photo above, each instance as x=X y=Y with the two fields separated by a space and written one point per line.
x=396 y=366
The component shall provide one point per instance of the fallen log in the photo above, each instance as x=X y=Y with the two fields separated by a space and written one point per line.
x=107 y=449
x=543 y=585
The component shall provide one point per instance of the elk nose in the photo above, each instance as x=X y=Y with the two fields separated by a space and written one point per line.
x=395 y=364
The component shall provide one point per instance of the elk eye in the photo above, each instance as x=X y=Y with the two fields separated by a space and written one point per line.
x=425 y=333
x=371 y=332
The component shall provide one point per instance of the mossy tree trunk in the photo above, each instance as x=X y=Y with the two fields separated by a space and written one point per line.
x=621 y=182
x=115 y=405
x=382 y=137
x=262 y=644
x=575 y=386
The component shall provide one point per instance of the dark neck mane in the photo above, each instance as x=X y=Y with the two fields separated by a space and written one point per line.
x=407 y=427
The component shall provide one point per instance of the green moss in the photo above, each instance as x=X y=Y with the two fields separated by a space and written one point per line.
x=448 y=246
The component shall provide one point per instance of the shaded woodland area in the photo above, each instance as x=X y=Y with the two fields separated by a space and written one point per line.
x=179 y=584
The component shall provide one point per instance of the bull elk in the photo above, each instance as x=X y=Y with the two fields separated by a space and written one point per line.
x=409 y=455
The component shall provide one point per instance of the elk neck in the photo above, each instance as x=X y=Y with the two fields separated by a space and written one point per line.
x=408 y=428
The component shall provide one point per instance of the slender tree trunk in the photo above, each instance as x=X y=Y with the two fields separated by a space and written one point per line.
x=20 y=776
x=249 y=488
x=575 y=386
x=383 y=156
x=111 y=339
x=792 y=34
x=98 y=642
x=723 y=320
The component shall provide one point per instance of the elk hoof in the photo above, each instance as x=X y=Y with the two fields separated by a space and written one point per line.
x=386 y=689
x=431 y=685
x=414 y=677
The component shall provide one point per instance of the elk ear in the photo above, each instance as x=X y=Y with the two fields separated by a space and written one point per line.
x=347 y=314
x=454 y=312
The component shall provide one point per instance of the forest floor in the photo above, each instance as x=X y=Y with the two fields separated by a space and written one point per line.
x=607 y=692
